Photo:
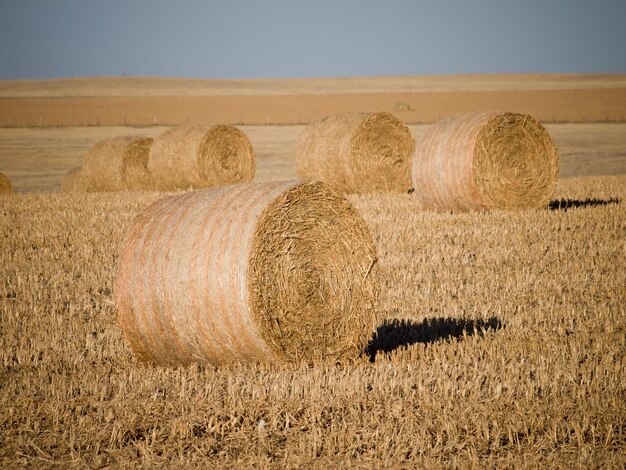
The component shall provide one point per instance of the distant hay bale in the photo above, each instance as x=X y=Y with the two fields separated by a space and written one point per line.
x=73 y=181
x=197 y=156
x=357 y=153
x=486 y=161
x=118 y=164
x=5 y=184
x=247 y=273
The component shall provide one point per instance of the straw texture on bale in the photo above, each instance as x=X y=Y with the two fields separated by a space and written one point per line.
x=73 y=181
x=357 y=153
x=281 y=271
x=117 y=164
x=197 y=156
x=486 y=161
x=5 y=184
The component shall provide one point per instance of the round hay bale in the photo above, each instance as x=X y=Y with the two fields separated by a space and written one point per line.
x=481 y=161
x=357 y=153
x=118 y=164
x=278 y=271
x=5 y=184
x=197 y=156
x=73 y=181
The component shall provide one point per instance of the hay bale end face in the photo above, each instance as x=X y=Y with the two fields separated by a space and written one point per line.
x=73 y=181
x=117 y=164
x=486 y=161
x=5 y=184
x=357 y=153
x=245 y=273
x=197 y=156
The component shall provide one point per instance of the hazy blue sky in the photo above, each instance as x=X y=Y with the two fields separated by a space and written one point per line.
x=274 y=38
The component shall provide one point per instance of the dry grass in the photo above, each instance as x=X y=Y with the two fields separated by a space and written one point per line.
x=248 y=273
x=505 y=331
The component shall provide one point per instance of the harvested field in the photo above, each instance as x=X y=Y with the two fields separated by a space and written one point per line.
x=505 y=332
x=500 y=336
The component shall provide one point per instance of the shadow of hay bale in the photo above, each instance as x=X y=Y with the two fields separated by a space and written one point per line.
x=564 y=204
x=394 y=334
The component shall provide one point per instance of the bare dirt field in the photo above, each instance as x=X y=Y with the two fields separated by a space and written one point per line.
x=500 y=340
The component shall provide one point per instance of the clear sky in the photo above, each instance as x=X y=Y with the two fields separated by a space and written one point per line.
x=313 y=38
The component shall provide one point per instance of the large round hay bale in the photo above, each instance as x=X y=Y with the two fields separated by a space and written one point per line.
x=490 y=160
x=357 y=153
x=117 y=164
x=5 y=184
x=197 y=156
x=73 y=181
x=250 y=272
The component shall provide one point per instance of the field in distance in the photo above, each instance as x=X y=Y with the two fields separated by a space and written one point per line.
x=168 y=101
x=166 y=86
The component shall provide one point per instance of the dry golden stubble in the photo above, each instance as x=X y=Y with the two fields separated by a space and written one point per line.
x=117 y=164
x=248 y=273
x=5 y=184
x=486 y=161
x=357 y=153
x=199 y=156
x=545 y=390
